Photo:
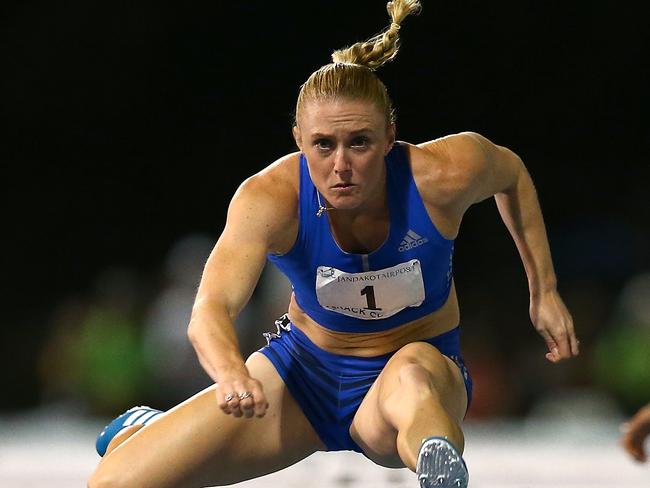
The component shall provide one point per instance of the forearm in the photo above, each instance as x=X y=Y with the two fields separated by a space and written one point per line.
x=520 y=210
x=212 y=333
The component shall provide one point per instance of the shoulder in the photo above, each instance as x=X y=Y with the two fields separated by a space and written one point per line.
x=279 y=179
x=458 y=155
x=267 y=202
x=464 y=168
x=446 y=167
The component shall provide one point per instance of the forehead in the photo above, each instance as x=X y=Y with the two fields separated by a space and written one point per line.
x=340 y=114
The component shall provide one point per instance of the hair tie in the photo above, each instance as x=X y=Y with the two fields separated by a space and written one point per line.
x=394 y=26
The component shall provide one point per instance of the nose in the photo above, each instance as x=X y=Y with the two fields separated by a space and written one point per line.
x=341 y=163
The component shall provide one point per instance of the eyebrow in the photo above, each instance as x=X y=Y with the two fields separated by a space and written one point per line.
x=354 y=132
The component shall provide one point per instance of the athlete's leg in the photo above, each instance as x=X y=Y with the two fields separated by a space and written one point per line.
x=195 y=444
x=419 y=394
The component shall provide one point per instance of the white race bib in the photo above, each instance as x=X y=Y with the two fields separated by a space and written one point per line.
x=370 y=295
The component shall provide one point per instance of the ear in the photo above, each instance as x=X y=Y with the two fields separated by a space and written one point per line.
x=390 y=136
x=297 y=136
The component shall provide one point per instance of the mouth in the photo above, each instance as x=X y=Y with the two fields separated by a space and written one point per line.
x=342 y=186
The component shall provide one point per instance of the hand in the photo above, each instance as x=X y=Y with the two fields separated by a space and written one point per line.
x=240 y=395
x=635 y=432
x=554 y=323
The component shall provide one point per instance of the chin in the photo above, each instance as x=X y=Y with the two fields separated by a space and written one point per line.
x=345 y=203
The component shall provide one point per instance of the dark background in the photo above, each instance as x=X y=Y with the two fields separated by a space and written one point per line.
x=130 y=124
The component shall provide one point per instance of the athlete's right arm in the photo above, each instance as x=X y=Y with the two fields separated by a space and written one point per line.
x=259 y=215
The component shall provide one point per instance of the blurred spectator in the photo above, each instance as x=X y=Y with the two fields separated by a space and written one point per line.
x=57 y=363
x=93 y=358
x=622 y=352
x=175 y=371
x=495 y=393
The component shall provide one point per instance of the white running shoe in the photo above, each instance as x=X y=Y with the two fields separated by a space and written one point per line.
x=440 y=465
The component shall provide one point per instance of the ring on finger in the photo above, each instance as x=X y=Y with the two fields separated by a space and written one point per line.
x=229 y=397
x=244 y=395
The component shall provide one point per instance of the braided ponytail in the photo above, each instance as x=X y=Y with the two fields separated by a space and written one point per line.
x=383 y=47
x=351 y=74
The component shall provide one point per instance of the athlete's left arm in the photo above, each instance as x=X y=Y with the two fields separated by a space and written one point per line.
x=499 y=172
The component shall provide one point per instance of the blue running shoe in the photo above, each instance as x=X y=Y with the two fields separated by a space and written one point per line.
x=440 y=465
x=133 y=416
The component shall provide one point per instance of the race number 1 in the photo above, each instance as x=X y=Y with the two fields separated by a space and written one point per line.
x=370 y=295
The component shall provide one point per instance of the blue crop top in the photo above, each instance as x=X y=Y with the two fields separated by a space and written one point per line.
x=407 y=277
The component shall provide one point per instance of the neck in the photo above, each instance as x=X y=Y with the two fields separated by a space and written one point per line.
x=322 y=208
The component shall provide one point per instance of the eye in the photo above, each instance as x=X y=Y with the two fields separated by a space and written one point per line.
x=323 y=144
x=360 y=141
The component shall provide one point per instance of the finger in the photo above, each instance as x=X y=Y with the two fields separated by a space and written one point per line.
x=553 y=357
x=550 y=342
x=640 y=422
x=234 y=402
x=563 y=344
x=573 y=339
x=236 y=412
x=636 y=452
x=553 y=353
x=261 y=408
x=247 y=406
x=633 y=443
x=247 y=403
x=248 y=413
x=224 y=394
x=255 y=398
x=261 y=404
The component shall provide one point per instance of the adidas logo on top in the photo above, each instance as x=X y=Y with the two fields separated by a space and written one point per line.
x=411 y=240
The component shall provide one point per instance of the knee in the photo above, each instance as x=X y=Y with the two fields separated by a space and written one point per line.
x=416 y=381
x=421 y=353
x=421 y=366
x=413 y=392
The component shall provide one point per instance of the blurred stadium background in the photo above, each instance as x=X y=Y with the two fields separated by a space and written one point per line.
x=128 y=127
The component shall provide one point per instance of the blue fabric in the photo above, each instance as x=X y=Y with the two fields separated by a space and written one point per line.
x=134 y=416
x=315 y=246
x=329 y=387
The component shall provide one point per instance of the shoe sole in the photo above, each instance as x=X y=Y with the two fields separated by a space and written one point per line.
x=440 y=466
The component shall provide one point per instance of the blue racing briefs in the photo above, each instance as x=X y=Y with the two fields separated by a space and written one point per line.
x=330 y=387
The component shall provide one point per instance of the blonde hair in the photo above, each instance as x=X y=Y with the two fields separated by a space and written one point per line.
x=351 y=73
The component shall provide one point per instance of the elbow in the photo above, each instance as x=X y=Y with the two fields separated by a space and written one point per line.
x=202 y=313
x=193 y=329
x=207 y=313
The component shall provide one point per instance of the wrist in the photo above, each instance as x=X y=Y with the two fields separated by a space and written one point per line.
x=540 y=288
x=228 y=361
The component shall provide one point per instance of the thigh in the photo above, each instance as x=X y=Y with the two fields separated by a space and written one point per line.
x=195 y=444
x=373 y=427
